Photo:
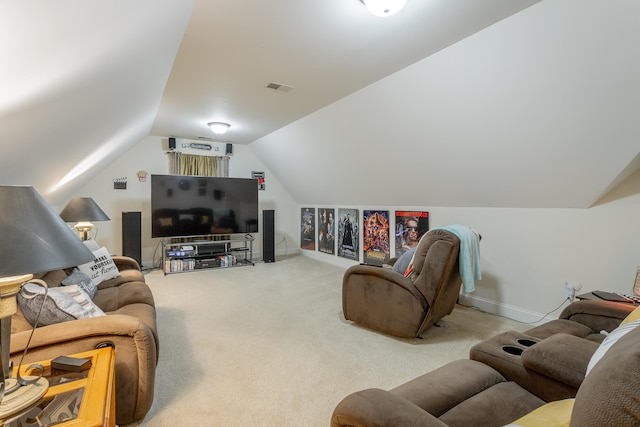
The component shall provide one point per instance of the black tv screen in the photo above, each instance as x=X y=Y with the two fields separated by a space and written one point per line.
x=184 y=206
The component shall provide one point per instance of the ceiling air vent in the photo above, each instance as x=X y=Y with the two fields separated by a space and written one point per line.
x=279 y=87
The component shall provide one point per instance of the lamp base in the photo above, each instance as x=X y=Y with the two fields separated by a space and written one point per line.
x=84 y=229
x=22 y=397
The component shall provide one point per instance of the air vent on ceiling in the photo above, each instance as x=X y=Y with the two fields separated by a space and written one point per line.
x=279 y=87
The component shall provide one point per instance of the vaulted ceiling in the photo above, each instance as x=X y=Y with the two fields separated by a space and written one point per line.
x=510 y=103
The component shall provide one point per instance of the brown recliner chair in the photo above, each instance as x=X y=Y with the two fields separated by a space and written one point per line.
x=386 y=301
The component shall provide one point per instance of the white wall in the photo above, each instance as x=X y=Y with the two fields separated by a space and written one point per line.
x=527 y=255
x=150 y=155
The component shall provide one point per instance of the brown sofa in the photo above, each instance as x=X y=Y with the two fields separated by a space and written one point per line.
x=129 y=324
x=568 y=341
x=469 y=392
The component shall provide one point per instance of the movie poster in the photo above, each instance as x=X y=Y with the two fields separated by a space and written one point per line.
x=308 y=228
x=326 y=231
x=348 y=229
x=375 y=246
x=410 y=227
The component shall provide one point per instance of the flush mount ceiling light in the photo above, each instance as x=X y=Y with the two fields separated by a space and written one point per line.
x=384 y=7
x=219 y=127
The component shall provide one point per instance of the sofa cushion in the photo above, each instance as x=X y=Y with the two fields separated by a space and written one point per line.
x=58 y=306
x=125 y=276
x=53 y=278
x=552 y=414
x=116 y=297
x=101 y=268
x=85 y=283
x=560 y=326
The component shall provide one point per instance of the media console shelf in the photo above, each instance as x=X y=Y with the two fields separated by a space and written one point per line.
x=180 y=257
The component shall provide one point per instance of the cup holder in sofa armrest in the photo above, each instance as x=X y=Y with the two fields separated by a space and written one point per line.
x=527 y=342
x=512 y=349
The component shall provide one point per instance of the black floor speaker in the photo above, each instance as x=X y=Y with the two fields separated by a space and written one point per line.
x=268 y=236
x=132 y=235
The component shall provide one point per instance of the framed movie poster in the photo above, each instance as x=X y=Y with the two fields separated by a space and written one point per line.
x=326 y=231
x=410 y=227
x=348 y=237
x=308 y=228
x=375 y=246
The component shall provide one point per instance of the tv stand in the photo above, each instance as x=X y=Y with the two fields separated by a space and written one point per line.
x=192 y=255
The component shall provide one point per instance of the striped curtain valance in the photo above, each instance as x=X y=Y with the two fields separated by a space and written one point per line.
x=193 y=164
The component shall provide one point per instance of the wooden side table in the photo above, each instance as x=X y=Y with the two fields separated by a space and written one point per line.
x=83 y=399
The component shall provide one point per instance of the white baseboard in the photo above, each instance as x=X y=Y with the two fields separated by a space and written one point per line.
x=505 y=310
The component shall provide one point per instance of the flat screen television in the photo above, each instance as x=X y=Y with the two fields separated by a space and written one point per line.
x=184 y=206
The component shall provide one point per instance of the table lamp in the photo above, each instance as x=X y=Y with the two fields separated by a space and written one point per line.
x=33 y=239
x=83 y=210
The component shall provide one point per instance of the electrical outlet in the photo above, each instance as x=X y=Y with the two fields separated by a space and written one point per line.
x=572 y=288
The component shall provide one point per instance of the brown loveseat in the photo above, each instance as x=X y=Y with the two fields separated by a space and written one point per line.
x=472 y=393
x=129 y=324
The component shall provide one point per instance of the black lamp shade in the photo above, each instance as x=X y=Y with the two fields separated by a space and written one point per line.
x=33 y=237
x=83 y=209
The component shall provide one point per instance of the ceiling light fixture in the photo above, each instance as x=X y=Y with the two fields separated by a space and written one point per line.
x=384 y=7
x=219 y=127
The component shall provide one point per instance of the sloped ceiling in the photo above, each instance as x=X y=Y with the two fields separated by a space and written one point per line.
x=513 y=103
x=80 y=83
x=538 y=111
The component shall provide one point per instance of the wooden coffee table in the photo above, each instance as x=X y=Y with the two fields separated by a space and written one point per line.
x=85 y=398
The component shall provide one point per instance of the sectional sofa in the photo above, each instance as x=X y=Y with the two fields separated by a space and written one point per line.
x=582 y=369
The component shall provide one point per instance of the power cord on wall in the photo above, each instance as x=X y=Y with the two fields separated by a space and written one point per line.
x=543 y=317
x=157 y=259
x=286 y=247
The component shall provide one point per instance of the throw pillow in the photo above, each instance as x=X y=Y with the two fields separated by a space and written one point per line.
x=101 y=268
x=58 y=306
x=82 y=298
x=77 y=277
x=613 y=337
x=634 y=315
x=552 y=414
x=403 y=262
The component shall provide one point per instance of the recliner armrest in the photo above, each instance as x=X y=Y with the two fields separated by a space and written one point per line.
x=597 y=315
x=561 y=357
x=375 y=407
x=386 y=275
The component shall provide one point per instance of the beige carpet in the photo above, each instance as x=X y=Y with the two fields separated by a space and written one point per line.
x=268 y=346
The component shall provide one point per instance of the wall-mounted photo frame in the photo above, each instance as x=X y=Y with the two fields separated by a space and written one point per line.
x=326 y=231
x=348 y=234
x=308 y=228
x=375 y=237
x=410 y=227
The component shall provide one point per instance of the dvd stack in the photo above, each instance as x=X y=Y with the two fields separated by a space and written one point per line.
x=179 y=264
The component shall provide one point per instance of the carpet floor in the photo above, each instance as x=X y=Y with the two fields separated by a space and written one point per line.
x=268 y=346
